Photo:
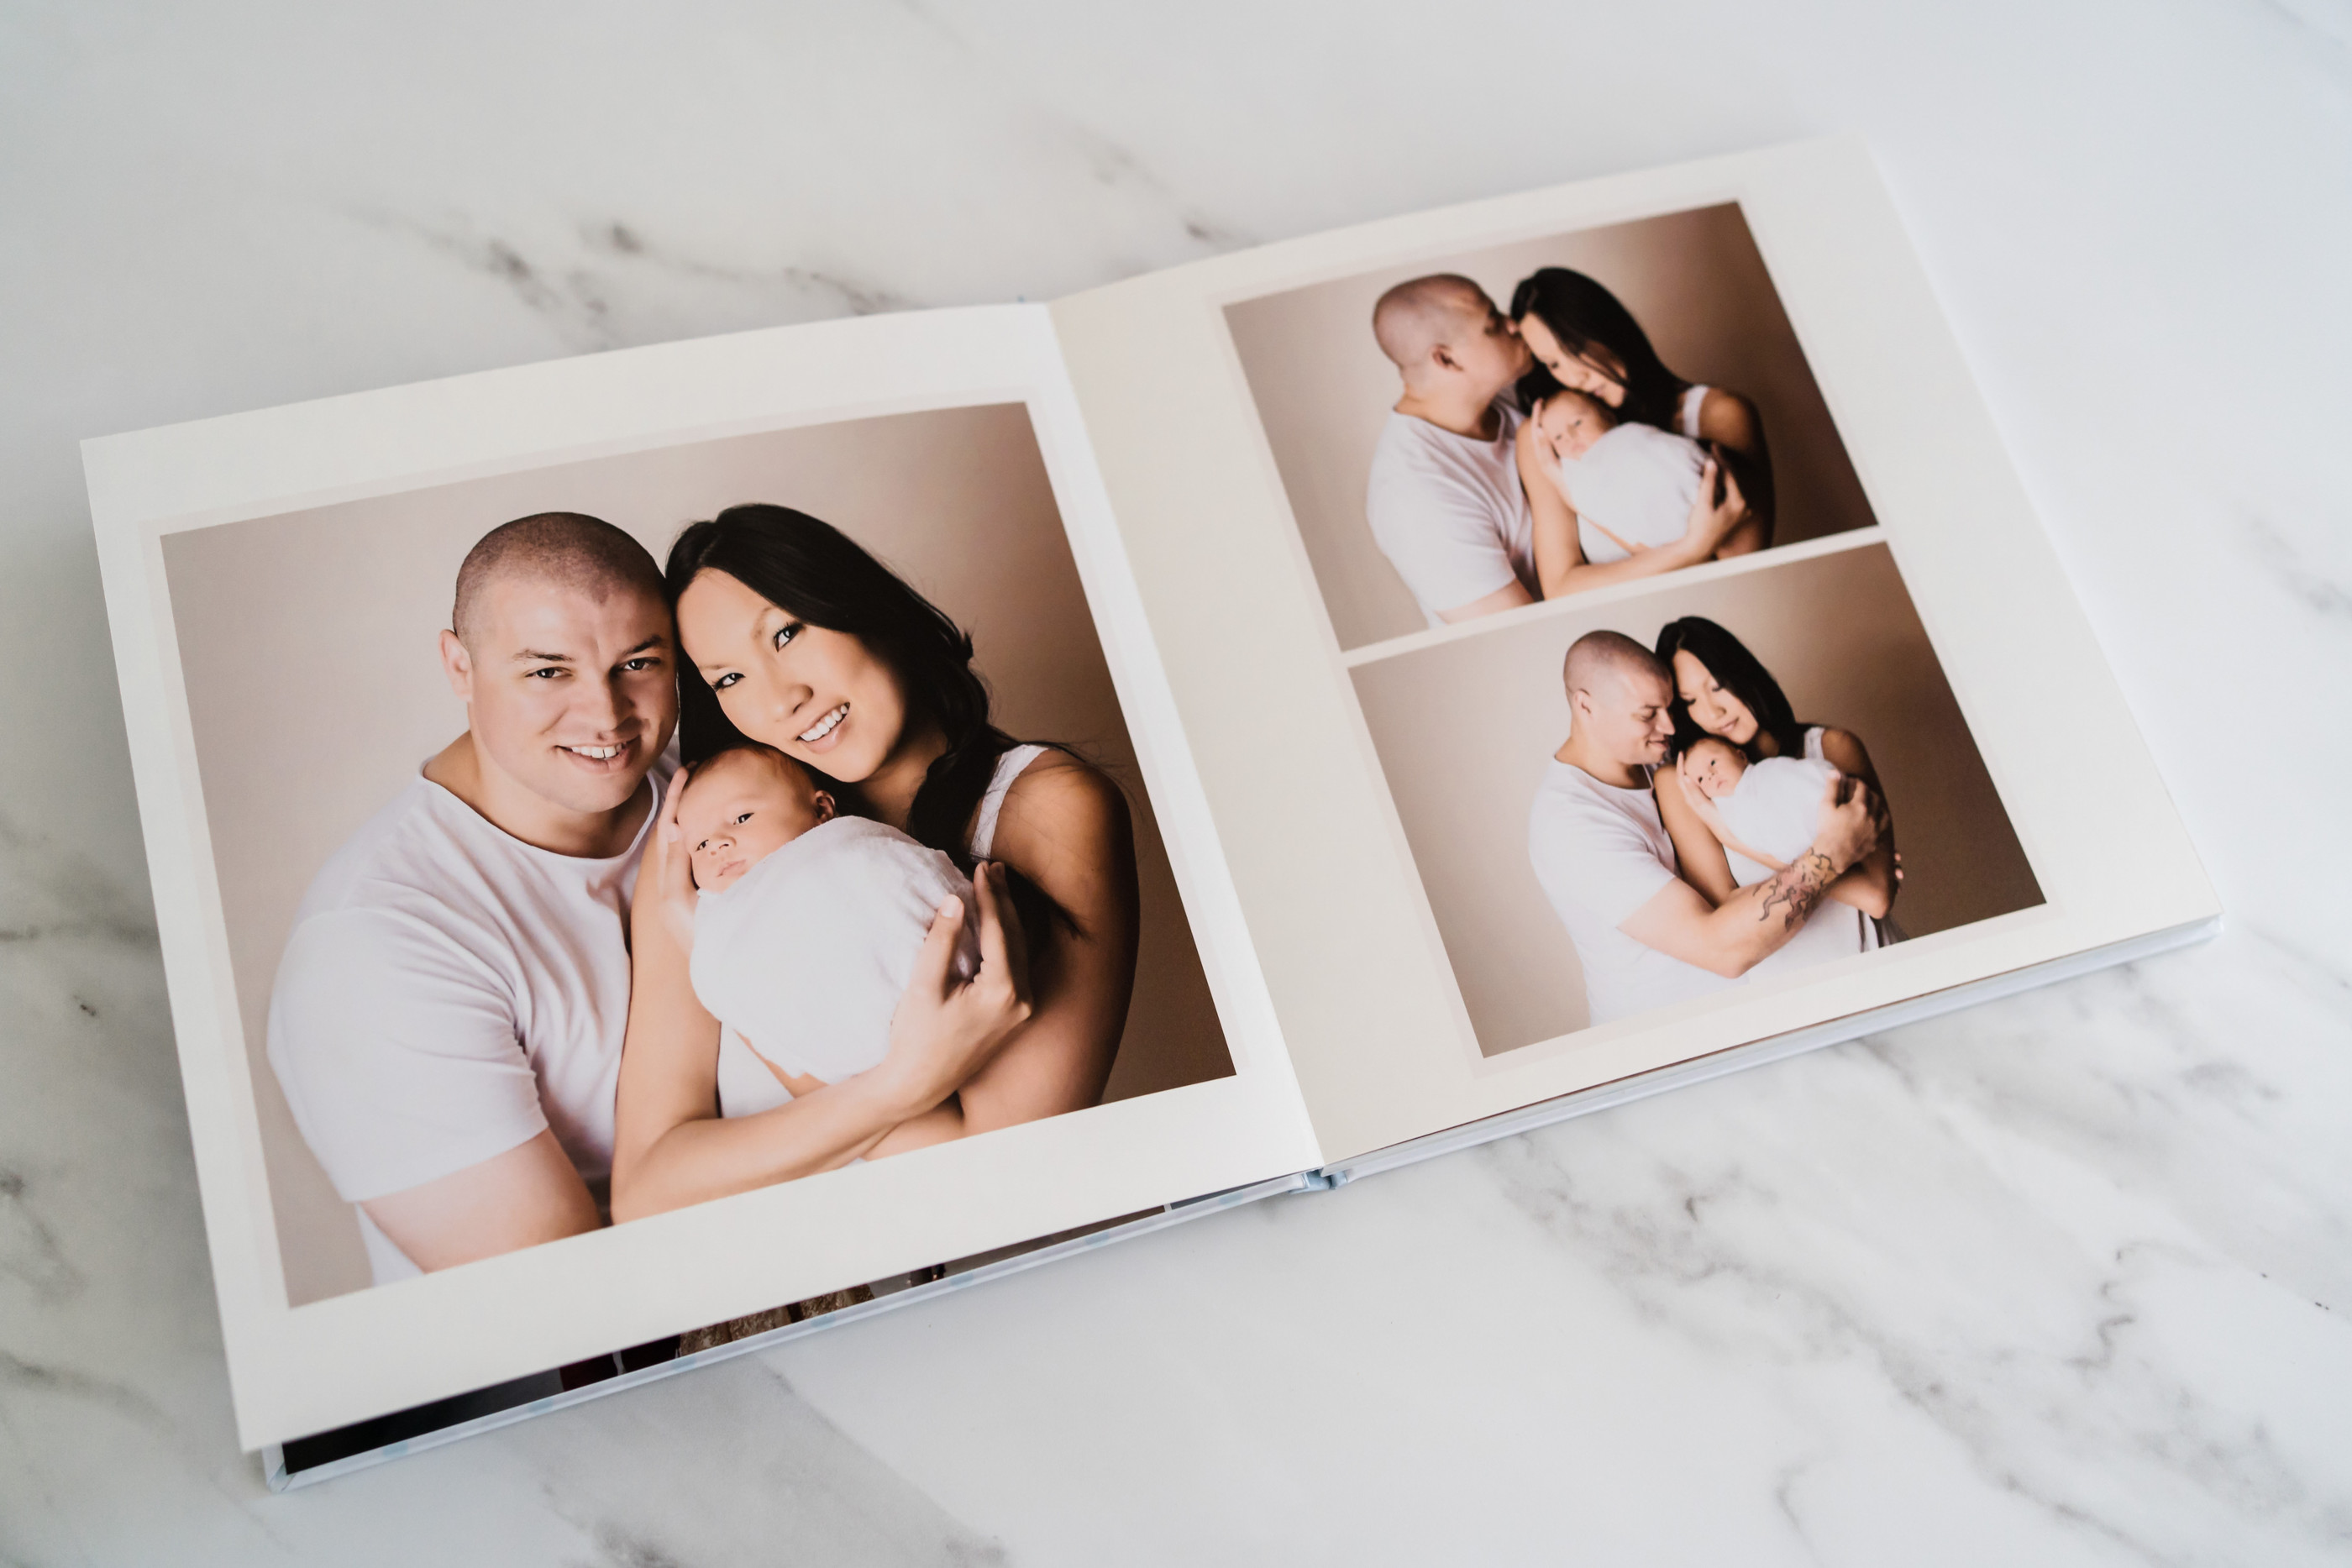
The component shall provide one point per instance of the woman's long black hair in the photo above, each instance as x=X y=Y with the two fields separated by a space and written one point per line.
x=821 y=576
x=1736 y=671
x=1584 y=316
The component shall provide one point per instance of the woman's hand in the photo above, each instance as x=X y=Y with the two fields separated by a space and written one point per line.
x=944 y=1030
x=1712 y=520
x=664 y=900
x=1683 y=776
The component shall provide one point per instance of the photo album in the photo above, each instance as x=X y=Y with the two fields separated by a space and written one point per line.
x=666 y=851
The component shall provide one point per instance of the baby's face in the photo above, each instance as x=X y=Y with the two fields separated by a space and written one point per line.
x=1569 y=423
x=1715 y=768
x=741 y=806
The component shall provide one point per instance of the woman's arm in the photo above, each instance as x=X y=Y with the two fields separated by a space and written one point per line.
x=1558 y=549
x=1731 y=422
x=1697 y=854
x=1871 y=883
x=1561 y=566
x=1065 y=828
x=672 y=1149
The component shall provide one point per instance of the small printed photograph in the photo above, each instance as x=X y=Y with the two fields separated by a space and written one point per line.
x=1462 y=435
x=791 y=759
x=1707 y=786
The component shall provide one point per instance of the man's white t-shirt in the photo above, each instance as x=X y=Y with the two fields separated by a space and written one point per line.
x=449 y=991
x=1448 y=512
x=1600 y=853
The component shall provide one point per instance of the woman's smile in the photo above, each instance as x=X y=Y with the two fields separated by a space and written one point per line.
x=820 y=735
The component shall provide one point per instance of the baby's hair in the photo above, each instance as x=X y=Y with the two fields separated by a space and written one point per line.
x=1714 y=740
x=1580 y=395
x=696 y=769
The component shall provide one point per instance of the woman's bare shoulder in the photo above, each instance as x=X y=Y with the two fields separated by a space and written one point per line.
x=1845 y=750
x=1059 y=802
x=1729 y=418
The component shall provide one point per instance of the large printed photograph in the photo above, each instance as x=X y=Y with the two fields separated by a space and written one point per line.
x=1752 y=778
x=604 y=839
x=1461 y=435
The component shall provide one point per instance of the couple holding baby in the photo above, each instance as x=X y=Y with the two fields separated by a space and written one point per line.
x=560 y=979
x=1550 y=451
x=1768 y=846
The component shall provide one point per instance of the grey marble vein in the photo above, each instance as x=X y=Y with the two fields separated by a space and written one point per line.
x=591 y=284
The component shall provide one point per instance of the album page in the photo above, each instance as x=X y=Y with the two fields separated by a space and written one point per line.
x=1610 y=632
x=408 y=705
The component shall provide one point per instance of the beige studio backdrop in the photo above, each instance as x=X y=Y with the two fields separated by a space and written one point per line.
x=307 y=643
x=1692 y=279
x=1464 y=729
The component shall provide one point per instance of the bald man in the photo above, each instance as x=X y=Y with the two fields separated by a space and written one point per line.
x=1443 y=498
x=447 y=1018
x=1645 y=938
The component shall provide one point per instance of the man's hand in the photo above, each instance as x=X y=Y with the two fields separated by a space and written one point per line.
x=1847 y=829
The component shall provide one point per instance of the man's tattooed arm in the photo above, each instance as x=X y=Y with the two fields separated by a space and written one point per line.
x=1790 y=894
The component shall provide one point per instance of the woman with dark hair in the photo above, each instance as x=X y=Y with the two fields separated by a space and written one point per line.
x=1585 y=341
x=1723 y=690
x=795 y=637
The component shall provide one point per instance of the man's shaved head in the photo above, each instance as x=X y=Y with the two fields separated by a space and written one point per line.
x=1619 y=708
x=1416 y=317
x=566 y=549
x=1597 y=656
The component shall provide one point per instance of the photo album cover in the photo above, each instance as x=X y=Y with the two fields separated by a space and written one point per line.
x=660 y=851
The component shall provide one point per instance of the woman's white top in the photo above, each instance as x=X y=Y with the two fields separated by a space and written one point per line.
x=1687 y=410
x=1009 y=767
x=1835 y=930
x=746 y=1087
x=1636 y=482
x=806 y=956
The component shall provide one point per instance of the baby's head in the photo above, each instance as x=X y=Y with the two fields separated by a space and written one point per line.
x=742 y=804
x=1715 y=765
x=1571 y=422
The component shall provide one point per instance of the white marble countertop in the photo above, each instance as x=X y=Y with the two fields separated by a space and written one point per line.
x=2061 y=1280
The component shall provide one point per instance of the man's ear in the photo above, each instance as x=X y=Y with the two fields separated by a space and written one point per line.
x=1441 y=356
x=824 y=807
x=459 y=665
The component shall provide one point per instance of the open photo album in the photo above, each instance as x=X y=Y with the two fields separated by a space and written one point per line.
x=658 y=850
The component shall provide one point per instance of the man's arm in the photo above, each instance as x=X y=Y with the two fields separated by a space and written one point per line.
x=1759 y=919
x=397 y=1050
x=529 y=1195
x=1447 y=541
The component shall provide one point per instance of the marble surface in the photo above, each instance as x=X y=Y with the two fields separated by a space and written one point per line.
x=2062 y=1280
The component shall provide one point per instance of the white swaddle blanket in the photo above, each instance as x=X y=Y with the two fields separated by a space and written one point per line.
x=1776 y=808
x=807 y=955
x=1638 y=482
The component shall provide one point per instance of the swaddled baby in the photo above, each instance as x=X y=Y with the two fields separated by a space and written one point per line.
x=808 y=924
x=1631 y=485
x=1767 y=811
